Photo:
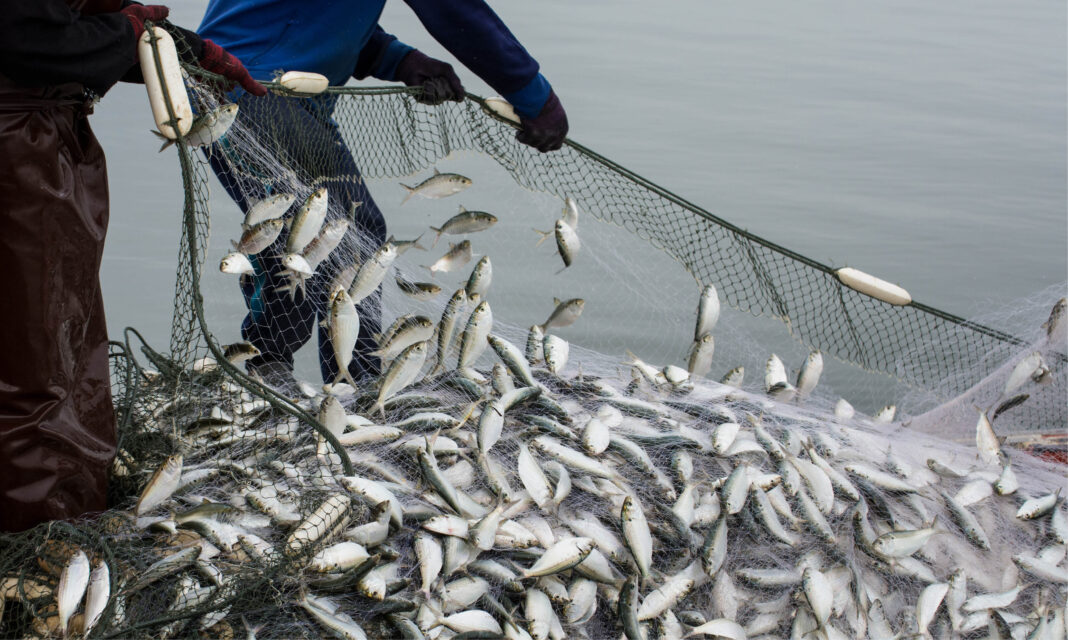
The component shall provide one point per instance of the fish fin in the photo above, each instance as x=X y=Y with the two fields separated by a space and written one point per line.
x=389 y=239
x=233 y=243
x=556 y=301
x=561 y=269
x=411 y=192
x=428 y=268
x=166 y=141
x=415 y=243
x=544 y=235
x=436 y=172
x=436 y=238
x=462 y=210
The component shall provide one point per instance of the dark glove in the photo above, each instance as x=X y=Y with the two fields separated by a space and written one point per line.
x=137 y=14
x=439 y=81
x=547 y=131
x=217 y=60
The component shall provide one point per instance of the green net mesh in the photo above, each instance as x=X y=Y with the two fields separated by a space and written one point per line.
x=268 y=482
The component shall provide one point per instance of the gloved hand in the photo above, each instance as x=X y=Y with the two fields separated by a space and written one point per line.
x=439 y=81
x=218 y=60
x=137 y=14
x=547 y=131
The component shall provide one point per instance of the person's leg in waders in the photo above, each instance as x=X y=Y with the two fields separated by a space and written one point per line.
x=57 y=423
x=301 y=135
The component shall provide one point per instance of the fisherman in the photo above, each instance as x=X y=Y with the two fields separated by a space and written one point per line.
x=342 y=40
x=57 y=423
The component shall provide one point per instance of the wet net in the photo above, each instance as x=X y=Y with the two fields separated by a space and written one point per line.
x=473 y=478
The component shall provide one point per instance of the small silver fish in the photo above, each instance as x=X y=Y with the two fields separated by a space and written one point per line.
x=565 y=313
x=457 y=256
x=699 y=362
x=1054 y=326
x=707 y=311
x=809 y=375
x=236 y=263
x=259 y=237
x=465 y=222
x=207 y=128
x=438 y=185
x=161 y=485
x=308 y=221
x=269 y=208
x=404 y=245
x=479 y=280
x=421 y=291
x=372 y=272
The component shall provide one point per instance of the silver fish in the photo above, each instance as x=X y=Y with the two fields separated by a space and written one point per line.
x=372 y=272
x=407 y=331
x=479 y=280
x=404 y=245
x=447 y=326
x=96 y=596
x=567 y=242
x=475 y=333
x=1054 y=326
x=161 y=485
x=699 y=362
x=236 y=263
x=269 y=208
x=438 y=185
x=809 y=375
x=535 y=349
x=207 y=128
x=465 y=222
x=421 y=291
x=565 y=313
x=400 y=374
x=344 y=328
x=734 y=377
x=707 y=311
x=308 y=221
x=323 y=244
x=457 y=256
x=570 y=214
x=259 y=237
x=71 y=588
x=556 y=350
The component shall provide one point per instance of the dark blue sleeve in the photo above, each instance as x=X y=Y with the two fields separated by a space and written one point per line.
x=380 y=56
x=472 y=32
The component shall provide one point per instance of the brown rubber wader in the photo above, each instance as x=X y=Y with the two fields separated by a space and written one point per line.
x=57 y=422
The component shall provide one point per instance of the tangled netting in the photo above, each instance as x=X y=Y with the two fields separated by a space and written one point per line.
x=522 y=487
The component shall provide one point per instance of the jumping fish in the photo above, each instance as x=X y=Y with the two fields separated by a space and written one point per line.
x=438 y=185
x=457 y=256
x=464 y=222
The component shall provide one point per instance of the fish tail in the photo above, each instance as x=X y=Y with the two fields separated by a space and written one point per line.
x=544 y=235
x=415 y=243
x=436 y=238
x=166 y=141
x=411 y=192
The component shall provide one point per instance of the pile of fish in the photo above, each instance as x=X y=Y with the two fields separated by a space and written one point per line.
x=498 y=494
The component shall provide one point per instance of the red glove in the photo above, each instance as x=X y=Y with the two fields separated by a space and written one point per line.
x=137 y=14
x=217 y=60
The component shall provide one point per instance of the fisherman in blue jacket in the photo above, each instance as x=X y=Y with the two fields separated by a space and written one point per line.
x=342 y=39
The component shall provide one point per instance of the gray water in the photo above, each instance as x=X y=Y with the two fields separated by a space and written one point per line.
x=925 y=144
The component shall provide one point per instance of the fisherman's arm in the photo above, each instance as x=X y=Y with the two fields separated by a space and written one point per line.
x=44 y=42
x=472 y=32
x=479 y=39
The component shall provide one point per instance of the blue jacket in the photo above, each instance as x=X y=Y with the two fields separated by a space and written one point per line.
x=341 y=38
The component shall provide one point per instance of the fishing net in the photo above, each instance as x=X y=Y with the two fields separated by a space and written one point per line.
x=249 y=502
